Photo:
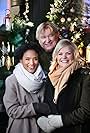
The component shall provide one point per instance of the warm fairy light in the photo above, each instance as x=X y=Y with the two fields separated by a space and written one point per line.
x=62 y=19
x=26 y=10
x=68 y=19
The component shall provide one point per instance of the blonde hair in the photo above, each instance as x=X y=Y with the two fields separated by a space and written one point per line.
x=62 y=43
x=44 y=26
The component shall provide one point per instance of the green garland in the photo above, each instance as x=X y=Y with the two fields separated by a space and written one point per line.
x=19 y=26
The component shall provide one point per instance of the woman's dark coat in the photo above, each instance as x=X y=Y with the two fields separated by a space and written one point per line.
x=73 y=103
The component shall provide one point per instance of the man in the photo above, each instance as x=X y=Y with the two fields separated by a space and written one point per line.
x=48 y=35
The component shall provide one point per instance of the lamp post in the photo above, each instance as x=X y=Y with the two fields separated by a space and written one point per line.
x=7 y=20
x=7 y=16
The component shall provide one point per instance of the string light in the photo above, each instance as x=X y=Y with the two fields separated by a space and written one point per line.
x=26 y=11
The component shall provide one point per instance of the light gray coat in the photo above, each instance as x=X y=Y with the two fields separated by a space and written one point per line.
x=19 y=107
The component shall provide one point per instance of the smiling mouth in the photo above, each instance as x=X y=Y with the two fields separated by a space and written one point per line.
x=48 y=45
x=64 y=61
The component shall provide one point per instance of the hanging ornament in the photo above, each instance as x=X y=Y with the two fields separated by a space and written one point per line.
x=62 y=19
x=72 y=10
x=81 y=29
x=68 y=19
x=63 y=28
x=64 y=32
x=63 y=13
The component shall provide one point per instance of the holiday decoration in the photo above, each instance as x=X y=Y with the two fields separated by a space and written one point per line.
x=67 y=14
x=19 y=28
x=14 y=33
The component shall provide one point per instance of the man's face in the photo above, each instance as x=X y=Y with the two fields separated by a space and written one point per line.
x=48 y=39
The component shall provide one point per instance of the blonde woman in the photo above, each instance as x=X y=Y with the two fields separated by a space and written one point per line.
x=68 y=92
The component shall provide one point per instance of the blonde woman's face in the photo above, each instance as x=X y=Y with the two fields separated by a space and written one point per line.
x=65 y=56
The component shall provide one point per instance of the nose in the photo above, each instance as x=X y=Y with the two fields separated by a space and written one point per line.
x=64 y=56
x=31 y=62
x=47 y=39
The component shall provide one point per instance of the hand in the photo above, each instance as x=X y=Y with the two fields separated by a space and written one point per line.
x=42 y=108
x=55 y=120
x=50 y=123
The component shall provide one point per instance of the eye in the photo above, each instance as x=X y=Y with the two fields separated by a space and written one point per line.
x=60 y=53
x=36 y=58
x=69 y=53
x=27 y=59
x=43 y=37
